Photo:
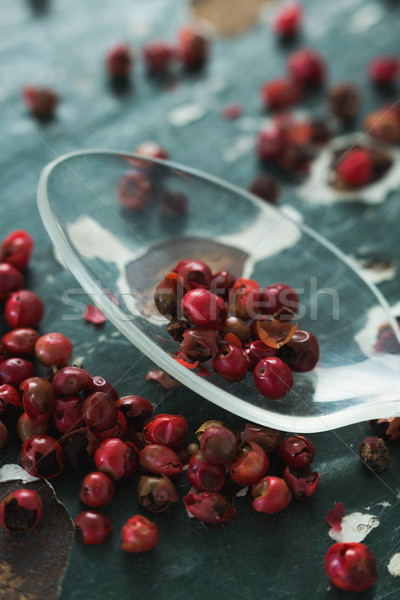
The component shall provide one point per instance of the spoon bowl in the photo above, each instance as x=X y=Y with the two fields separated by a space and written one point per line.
x=121 y=222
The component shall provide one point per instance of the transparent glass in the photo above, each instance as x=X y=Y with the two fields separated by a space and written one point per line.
x=119 y=254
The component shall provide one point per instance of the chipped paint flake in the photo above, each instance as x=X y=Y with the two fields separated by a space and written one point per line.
x=394 y=565
x=355 y=527
x=185 y=114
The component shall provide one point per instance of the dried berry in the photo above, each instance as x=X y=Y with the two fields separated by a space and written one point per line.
x=374 y=454
x=156 y=493
x=209 y=507
x=266 y=187
x=21 y=510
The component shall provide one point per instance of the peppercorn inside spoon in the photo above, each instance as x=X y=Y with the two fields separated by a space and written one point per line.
x=122 y=222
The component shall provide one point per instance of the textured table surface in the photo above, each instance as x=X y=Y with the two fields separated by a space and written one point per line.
x=62 y=44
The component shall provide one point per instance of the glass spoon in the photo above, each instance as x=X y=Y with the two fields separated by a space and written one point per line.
x=121 y=222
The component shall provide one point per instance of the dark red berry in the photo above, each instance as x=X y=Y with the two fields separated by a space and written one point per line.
x=231 y=363
x=53 y=349
x=42 y=456
x=160 y=460
x=344 y=101
x=97 y=490
x=271 y=494
x=78 y=446
x=156 y=493
x=270 y=144
x=9 y=395
x=137 y=410
x=287 y=22
x=238 y=327
x=195 y=273
x=173 y=204
x=374 y=454
x=68 y=414
x=384 y=70
x=117 y=430
x=273 y=378
x=265 y=437
x=157 y=56
x=280 y=93
x=38 y=399
x=265 y=187
x=168 y=430
x=256 y=351
x=139 y=534
x=297 y=451
x=23 y=309
x=116 y=458
x=16 y=249
x=204 y=309
x=209 y=507
x=221 y=283
x=301 y=352
x=20 y=342
x=280 y=300
x=14 y=370
x=11 y=280
x=306 y=67
x=41 y=102
x=27 y=427
x=193 y=48
x=93 y=527
x=134 y=190
x=69 y=381
x=151 y=149
x=204 y=475
x=99 y=411
x=199 y=343
x=218 y=444
x=169 y=294
x=356 y=168
x=119 y=61
x=250 y=465
x=351 y=566
x=21 y=510
x=302 y=484
x=99 y=384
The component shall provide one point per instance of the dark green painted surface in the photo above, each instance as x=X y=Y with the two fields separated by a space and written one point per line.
x=257 y=556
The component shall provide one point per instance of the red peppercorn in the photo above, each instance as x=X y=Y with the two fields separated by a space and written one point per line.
x=160 y=460
x=20 y=342
x=351 y=566
x=168 y=430
x=302 y=484
x=199 y=343
x=16 y=249
x=270 y=144
x=97 y=490
x=14 y=370
x=68 y=414
x=169 y=294
x=202 y=308
x=271 y=494
x=265 y=437
x=119 y=61
x=41 y=102
x=116 y=458
x=287 y=22
x=99 y=411
x=301 y=352
x=356 y=168
x=306 y=67
x=250 y=465
x=272 y=378
x=221 y=283
x=27 y=427
x=151 y=149
x=218 y=443
x=280 y=93
x=204 y=475
x=297 y=451
x=42 y=456
x=53 y=349
x=384 y=70
x=139 y=534
x=193 y=48
x=231 y=363
x=209 y=507
x=21 y=510
x=344 y=101
x=99 y=384
x=38 y=399
x=256 y=351
x=134 y=190
x=11 y=280
x=238 y=327
x=137 y=410
x=195 y=273
x=9 y=395
x=281 y=300
x=23 y=309
x=157 y=56
x=118 y=430
x=156 y=493
x=93 y=527
x=70 y=381
x=78 y=446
